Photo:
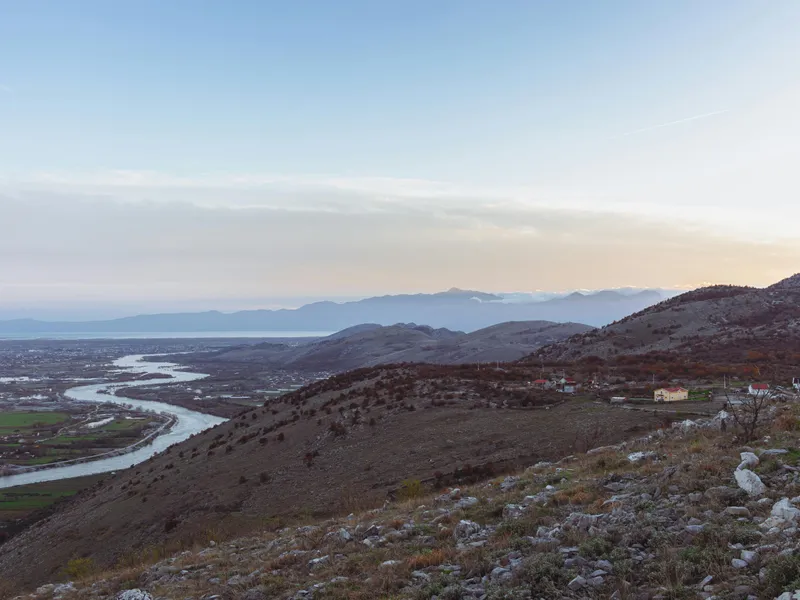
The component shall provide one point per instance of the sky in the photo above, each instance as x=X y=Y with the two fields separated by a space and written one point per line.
x=200 y=154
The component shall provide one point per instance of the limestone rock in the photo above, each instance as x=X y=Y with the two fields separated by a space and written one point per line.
x=783 y=509
x=749 y=482
x=465 y=529
x=748 y=460
x=135 y=594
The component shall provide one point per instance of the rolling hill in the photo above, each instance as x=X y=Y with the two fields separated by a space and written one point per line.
x=371 y=344
x=716 y=324
x=330 y=448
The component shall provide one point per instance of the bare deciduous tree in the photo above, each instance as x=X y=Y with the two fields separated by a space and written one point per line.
x=748 y=410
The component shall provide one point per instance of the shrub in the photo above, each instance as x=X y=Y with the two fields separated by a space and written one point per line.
x=410 y=488
x=595 y=547
x=546 y=575
x=783 y=573
x=79 y=568
x=786 y=422
x=427 y=558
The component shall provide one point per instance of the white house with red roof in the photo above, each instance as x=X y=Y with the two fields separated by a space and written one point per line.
x=758 y=389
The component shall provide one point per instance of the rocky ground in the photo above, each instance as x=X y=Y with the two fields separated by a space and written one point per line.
x=686 y=512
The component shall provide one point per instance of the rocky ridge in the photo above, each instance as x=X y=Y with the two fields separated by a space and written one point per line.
x=684 y=512
x=717 y=324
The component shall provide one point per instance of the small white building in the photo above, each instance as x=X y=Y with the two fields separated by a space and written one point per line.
x=796 y=383
x=671 y=394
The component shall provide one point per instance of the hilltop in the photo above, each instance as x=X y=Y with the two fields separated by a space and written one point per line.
x=372 y=344
x=716 y=324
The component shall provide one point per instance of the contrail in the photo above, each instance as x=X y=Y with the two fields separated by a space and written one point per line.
x=679 y=121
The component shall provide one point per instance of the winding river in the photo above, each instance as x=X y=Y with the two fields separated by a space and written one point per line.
x=187 y=422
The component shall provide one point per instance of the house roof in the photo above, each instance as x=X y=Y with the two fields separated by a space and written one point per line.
x=672 y=390
x=540 y=381
x=759 y=386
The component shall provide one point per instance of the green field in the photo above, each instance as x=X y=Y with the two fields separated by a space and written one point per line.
x=18 y=501
x=123 y=424
x=10 y=421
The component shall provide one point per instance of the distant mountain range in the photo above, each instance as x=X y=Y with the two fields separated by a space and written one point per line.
x=371 y=344
x=454 y=309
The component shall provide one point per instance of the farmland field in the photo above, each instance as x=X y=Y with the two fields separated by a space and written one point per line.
x=19 y=503
x=12 y=421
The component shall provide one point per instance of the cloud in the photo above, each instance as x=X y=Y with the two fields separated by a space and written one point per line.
x=671 y=123
x=91 y=247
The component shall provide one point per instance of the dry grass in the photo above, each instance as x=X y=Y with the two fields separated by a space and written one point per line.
x=430 y=558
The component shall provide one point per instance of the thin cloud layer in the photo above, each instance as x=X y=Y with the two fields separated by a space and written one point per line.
x=339 y=243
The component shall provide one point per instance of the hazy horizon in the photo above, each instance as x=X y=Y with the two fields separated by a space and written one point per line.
x=163 y=155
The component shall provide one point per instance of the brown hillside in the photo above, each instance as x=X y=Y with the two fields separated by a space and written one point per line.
x=371 y=345
x=328 y=448
x=716 y=324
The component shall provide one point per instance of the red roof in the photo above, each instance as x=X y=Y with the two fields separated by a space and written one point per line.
x=760 y=386
x=540 y=381
x=675 y=389
x=569 y=380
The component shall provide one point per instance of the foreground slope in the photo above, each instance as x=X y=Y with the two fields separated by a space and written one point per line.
x=659 y=517
x=370 y=345
x=717 y=323
x=330 y=447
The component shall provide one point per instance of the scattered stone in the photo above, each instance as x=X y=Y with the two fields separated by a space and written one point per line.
x=738 y=511
x=389 y=563
x=749 y=482
x=750 y=557
x=135 y=594
x=748 y=460
x=635 y=457
x=774 y=452
x=577 y=584
x=513 y=511
x=509 y=483
x=783 y=509
x=738 y=563
x=465 y=529
x=316 y=562
x=695 y=529
x=605 y=566
x=500 y=575
x=467 y=502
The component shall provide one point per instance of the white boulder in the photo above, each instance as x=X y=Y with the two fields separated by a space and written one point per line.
x=748 y=460
x=749 y=482
x=783 y=509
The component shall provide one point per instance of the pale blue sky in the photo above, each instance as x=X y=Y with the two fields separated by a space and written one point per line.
x=464 y=112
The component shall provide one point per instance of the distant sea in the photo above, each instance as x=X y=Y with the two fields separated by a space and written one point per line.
x=162 y=335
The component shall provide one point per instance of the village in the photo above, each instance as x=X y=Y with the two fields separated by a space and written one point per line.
x=616 y=393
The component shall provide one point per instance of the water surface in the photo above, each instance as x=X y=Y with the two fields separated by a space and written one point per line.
x=188 y=422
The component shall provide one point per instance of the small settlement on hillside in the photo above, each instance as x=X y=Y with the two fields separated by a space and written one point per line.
x=565 y=385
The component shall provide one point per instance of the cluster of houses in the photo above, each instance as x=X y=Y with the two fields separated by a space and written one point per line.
x=568 y=385
x=565 y=385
